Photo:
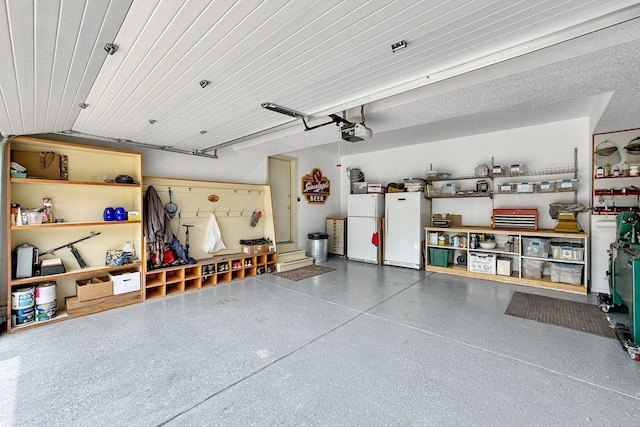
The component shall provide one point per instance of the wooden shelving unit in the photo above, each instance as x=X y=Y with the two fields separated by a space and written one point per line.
x=517 y=257
x=79 y=202
x=207 y=272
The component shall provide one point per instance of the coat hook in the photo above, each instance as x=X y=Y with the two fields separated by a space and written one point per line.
x=241 y=212
x=228 y=212
x=198 y=212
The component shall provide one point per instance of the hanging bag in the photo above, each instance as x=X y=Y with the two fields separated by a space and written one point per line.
x=213 y=239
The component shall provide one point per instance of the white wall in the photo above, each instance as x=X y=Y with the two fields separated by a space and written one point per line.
x=538 y=147
x=311 y=217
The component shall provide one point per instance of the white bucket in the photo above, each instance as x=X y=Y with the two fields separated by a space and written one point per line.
x=45 y=293
x=23 y=316
x=46 y=311
x=23 y=298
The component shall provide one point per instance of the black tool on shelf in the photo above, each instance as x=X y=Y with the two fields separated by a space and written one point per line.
x=74 y=251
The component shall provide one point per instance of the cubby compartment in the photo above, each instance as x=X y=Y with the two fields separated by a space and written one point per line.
x=175 y=288
x=191 y=272
x=176 y=275
x=224 y=277
x=154 y=292
x=261 y=259
x=191 y=284
x=155 y=279
x=210 y=280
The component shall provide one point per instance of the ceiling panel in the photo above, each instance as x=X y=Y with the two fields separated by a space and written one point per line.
x=53 y=53
x=318 y=57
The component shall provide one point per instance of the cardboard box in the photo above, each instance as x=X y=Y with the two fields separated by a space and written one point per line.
x=504 y=266
x=375 y=188
x=125 y=281
x=257 y=249
x=482 y=263
x=86 y=290
x=455 y=220
x=45 y=164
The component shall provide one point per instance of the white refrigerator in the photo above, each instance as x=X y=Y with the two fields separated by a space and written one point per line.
x=363 y=226
x=406 y=216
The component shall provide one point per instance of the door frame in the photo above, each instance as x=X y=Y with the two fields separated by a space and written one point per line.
x=292 y=245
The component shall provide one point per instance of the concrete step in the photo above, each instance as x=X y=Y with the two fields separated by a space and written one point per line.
x=292 y=265
x=290 y=256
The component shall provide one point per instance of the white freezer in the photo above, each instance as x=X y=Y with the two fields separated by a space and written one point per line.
x=368 y=205
x=406 y=216
x=360 y=231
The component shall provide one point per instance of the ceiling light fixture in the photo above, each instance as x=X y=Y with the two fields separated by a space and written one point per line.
x=110 y=48
x=284 y=110
x=398 y=45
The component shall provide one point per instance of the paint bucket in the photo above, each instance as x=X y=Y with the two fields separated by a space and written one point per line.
x=23 y=316
x=45 y=293
x=46 y=311
x=22 y=297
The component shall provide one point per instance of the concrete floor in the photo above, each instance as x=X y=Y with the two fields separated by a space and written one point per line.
x=359 y=346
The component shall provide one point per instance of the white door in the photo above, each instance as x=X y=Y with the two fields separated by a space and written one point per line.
x=360 y=231
x=365 y=205
x=403 y=238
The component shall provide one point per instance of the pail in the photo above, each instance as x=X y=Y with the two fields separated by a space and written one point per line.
x=22 y=297
x=45 y=293
x=23 y=316
x=46 y=311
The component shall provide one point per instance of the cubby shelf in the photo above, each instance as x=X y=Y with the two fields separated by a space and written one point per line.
x=206 y=272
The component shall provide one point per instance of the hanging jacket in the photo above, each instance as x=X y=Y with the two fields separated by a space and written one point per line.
x=157 y=224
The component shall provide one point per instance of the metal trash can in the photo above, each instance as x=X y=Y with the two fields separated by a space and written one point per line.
x=317 y=246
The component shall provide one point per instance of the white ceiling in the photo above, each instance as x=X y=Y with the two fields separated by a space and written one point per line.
x=469 y=67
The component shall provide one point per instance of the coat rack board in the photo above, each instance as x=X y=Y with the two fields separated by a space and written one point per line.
x=233 y=205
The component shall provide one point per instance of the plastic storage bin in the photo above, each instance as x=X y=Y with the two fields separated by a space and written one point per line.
x=507 y=187
x=535 y=247
x=532 y=268
x=566 y=273
x=440 y=257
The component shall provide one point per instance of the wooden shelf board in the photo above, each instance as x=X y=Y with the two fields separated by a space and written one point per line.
x=545 y=282
x=67 y=182
x=71 y=273
x=71 y=224
x=100 y=304
x=61 y=314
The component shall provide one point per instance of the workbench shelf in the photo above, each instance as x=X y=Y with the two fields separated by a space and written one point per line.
x=206 y=272
x=487 y=267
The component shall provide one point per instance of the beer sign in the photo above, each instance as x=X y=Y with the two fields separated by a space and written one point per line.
x=316 y=188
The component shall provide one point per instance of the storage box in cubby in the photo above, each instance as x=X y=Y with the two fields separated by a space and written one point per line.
x=566 y=273
x=536 y=247
x=94 y=288
x=125 y=281
x=482 y=263
x=440 y=257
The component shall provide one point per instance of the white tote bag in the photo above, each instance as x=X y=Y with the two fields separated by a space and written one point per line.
x=213 y=239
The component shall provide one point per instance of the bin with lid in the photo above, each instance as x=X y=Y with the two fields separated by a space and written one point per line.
x=317 y=246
